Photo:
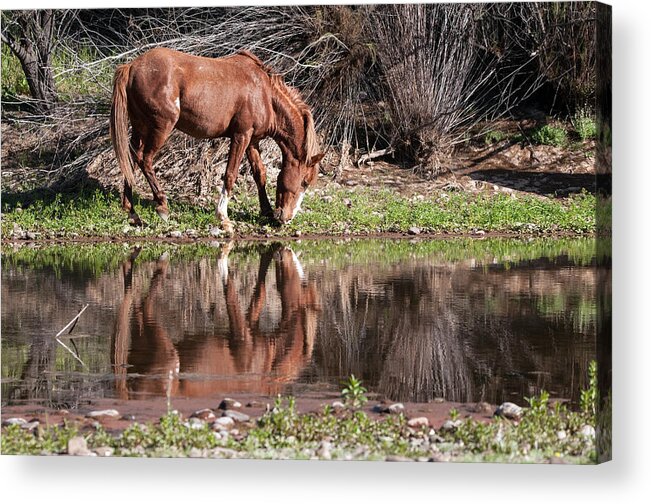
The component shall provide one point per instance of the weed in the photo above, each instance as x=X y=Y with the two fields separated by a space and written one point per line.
x=494 y=136
x=354 y=393
x=549 y=135
x=590 y=396
x=585 y=125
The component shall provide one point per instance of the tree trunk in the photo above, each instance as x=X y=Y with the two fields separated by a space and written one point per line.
x=31 y=40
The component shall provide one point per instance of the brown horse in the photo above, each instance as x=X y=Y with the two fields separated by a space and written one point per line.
x=236 y=97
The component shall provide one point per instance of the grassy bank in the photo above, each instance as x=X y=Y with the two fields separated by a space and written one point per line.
x=340 y=212
x=543 y=433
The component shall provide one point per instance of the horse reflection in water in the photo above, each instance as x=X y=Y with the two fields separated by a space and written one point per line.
x=248 y=360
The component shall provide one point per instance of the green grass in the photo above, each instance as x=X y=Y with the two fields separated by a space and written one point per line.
x=544 y=432
x=548 y=134
x=585 y=125
x=361 y=212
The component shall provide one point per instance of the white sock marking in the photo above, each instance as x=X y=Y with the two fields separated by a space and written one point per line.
x=298 y=265
x=222 y=206
x=177 y=102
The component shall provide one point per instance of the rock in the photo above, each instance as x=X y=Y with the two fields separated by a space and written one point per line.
x=100 y=413
x=587 y=431
x=104 y=451
x=414 y=230
x=418 y=422
x=397 y=458
x=77 y=446
x=561 y=434
x=327 y=199
x=195 y=423
x=450 y=425
x=196 y=453
x=338 y=406
x=128 y=416
x=191 y=233
x=323 y=451
x=13 y=421
x=228 y=403
x=396 y=408
x=347 y=202
x=223 y=453
x=479 y=232
x=238 y=416
x=176 y=234
x=509 y=410
x=482 y=407
x=216 y=232
x=204 y=414
x=126 y=230
x=31 y=236
x=440 y=457
x=223 y=423
x=350 y=183
x=30 y=426
x=297 y=233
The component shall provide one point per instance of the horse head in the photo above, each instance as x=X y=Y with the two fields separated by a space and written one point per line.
x=293 y=180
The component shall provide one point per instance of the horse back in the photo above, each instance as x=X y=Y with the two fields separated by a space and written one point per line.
x=204 y=97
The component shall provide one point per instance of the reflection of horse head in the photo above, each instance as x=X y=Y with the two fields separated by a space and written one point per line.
x=274 y=356
x=141 y=343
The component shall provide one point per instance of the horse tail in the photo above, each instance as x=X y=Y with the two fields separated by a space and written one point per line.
x=119 y=125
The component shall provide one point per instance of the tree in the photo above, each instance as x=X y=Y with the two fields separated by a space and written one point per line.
x=30 y=36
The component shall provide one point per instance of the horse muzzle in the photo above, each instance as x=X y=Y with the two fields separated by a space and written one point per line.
x=281 y=216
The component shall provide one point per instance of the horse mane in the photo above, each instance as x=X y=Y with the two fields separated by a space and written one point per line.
x=293 y=95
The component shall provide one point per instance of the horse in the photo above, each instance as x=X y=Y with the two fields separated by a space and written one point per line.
x=236 y=96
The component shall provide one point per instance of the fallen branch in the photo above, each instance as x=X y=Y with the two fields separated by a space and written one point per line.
x=375 y=154
x=71 y=325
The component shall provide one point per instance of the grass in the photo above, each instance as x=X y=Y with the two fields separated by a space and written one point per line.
x=544 y=433
x=585 y=125
x=548 y=134
x=356 y=212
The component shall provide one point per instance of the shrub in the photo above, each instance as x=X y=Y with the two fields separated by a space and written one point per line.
x=549 y=135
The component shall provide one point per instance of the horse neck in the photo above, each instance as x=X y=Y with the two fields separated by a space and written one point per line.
x=289 y=128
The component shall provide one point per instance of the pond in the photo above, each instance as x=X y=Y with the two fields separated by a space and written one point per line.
x=464 y=320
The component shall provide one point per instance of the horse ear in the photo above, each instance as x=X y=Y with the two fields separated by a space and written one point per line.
x=315 y=159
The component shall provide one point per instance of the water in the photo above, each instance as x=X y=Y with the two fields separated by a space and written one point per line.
x=465 y=320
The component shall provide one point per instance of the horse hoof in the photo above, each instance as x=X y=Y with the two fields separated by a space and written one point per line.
x=163 y=215
x=228 y=228
x=135 y=221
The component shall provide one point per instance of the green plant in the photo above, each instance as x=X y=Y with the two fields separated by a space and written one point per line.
x=590 y=396
x=494 y=136
x=585 y=125
x=454 y=414
x=354 y=393
x=549 y=135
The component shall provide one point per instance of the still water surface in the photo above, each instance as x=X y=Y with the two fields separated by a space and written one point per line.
x=465 y=320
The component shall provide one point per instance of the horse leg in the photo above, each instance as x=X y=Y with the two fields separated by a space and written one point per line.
x=239 y=143
x=127 y=195
x=154 y=142
x=260 y=177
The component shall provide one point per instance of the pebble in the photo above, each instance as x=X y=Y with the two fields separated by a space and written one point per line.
x=223 y=422
x=561 y=434
x=176 y=234
x=107 y=412
x=203 y=414
x=196 y=453
x=191 y=233
x=129 y=417
x=216 y=232
x=297 y=233
x=30 y=426
x=396 y=408
x=195 y=423
x=77 y=446
x=418 y=422
x=451 y=425
x=397 y=458
x=440 y=457
x=104 y=451
x=238 y=416
x=587 y=431
x=31 y=236
x=338 y=406
x=327 y=199
x=323 y=451
x=228 y=403
x=223 y=453
x=347 y=202
x=13 y=421
x=414 y=230
x=509 y=410
x=482 y=407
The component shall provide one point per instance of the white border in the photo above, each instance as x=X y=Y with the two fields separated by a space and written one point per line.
x=626 y=479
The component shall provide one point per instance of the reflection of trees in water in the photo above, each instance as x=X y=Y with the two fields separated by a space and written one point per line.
x=417 y=331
